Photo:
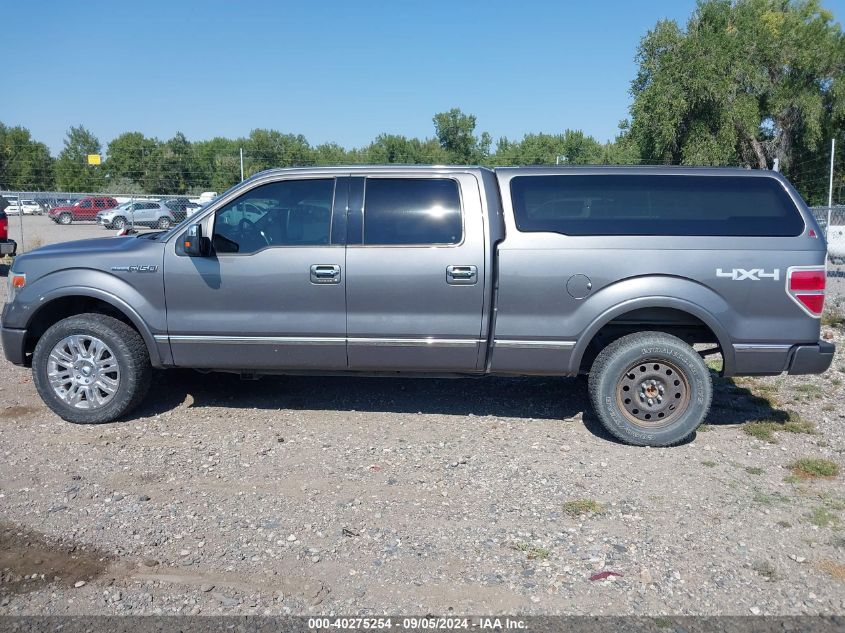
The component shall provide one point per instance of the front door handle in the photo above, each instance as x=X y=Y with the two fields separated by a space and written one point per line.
x=461 y=275
x=325 y=274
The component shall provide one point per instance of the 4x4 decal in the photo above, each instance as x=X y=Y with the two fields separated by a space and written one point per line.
x=755 y=274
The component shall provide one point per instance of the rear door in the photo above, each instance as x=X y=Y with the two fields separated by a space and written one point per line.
x=415 y=273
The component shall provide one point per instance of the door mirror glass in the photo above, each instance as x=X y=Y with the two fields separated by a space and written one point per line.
x=192 y=242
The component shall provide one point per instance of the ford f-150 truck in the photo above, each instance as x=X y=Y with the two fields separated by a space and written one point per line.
x=615 y=272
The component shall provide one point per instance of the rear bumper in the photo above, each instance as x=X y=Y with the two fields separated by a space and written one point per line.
x=811 y=359
x=9 y=247
x=14 y=342
x=763 y=359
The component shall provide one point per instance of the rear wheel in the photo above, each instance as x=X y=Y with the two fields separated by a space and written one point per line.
x=118 y=223
x=65 y=218
x=164 y=222
x=91 y=368
x=650 y=389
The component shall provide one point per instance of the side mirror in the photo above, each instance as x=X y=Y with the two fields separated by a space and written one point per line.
x=193 y=242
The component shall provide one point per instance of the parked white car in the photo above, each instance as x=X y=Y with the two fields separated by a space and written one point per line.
x=836 y=244
x=30 y=207
x=14 y=207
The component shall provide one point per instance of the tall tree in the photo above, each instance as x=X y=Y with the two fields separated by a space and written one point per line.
x=746 y=82
x=130 y=157
x=73 y=173
x=456 y=133
x=25 y=164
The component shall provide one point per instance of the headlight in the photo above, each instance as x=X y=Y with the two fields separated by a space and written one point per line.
x=16 y=282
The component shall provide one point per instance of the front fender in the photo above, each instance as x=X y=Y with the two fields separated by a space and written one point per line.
x=654 y=292
x=143 y=306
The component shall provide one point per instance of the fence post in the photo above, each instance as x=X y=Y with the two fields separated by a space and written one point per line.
x=830 y=189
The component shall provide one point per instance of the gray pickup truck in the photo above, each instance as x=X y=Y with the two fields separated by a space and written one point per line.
x=615 y=272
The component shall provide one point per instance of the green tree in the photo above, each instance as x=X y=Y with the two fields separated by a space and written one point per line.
x=171 y=167
x=745 y=83
x=129 y=158
x=25 y=164
x=456 y=133
x=73 y=173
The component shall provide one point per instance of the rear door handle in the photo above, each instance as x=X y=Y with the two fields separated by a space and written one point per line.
x=461 y=275
x=325 y=274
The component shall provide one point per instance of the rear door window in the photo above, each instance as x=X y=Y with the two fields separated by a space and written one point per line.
x=635 y=204
x=412 y=211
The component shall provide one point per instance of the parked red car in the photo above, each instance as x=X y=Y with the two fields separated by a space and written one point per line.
x=84 y=209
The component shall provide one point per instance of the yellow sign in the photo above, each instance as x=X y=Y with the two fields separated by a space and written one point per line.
x=93 y=159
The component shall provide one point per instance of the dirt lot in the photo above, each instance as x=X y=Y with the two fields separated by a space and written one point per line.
x=353 y=495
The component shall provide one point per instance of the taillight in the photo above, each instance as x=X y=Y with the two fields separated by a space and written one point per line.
x=806 y=284
x=4 y=228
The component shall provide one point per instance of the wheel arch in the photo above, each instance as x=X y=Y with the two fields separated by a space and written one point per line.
x=67 y=301
x=621 y=309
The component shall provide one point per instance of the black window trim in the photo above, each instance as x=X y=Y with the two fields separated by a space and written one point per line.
x=363 y=211
x=795 y=201
x=212 y=216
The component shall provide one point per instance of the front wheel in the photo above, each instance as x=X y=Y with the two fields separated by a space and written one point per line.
x=91 y=368
x=65 y=218
x=650 y=389
x=118 y=223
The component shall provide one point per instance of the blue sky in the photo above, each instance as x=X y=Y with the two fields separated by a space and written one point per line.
x=333 y=71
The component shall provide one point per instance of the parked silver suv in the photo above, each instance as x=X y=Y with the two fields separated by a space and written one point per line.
x=144 y=213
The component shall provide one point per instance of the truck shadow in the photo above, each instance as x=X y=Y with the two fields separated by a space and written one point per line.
x=521 y=398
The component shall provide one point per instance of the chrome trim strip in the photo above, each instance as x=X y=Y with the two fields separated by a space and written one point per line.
x=761 y=347
x=315 y=340
x=259 y=340
x=414 y=342
x=520 y=344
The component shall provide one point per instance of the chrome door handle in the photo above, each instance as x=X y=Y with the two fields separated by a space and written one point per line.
x=325 y=274
x=461 y=275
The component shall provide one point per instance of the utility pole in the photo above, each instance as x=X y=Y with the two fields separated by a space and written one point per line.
x=830 y=190
x=242 y=164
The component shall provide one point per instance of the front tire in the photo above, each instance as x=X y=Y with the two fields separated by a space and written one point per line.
x=650 y=389
x=91 y=368
x=65 y=218
x=118 y=223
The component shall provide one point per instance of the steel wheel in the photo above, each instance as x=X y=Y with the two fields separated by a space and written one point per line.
x=83 y=371
x=653 y=393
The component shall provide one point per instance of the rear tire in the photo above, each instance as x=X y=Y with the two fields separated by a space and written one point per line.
x=164 y=223
x=650 y=389
x=65 y=218
x=54 y=365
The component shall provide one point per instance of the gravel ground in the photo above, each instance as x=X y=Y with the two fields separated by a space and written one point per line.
x=353 y=495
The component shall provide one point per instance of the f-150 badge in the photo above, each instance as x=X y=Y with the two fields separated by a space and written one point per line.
x=136 y=268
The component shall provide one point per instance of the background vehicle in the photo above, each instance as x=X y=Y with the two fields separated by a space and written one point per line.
x=144 y=213
x=615 y=272
x=836 y=244
x=30 y=207
x=181 y=207
x=14 y=204
x=82 y=210
x=7 y=246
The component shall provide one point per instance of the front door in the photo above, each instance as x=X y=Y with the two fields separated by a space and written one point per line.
x=272 y=293
x=415 y=273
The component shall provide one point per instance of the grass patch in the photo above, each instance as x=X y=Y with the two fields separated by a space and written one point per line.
x=754 y=470
x=714 y=364
x=532 y=551
x=831 y=568
x=810 y=390
x=822 y=517
x=580 y=507
x=814 y=468
x=771 y=499
x=708 y=463
x=765 y=430
x=704 y=428
x=833 y=318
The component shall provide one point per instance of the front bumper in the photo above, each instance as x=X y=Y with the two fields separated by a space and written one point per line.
x=9 y=247
x=14 y=345
x=771 y=359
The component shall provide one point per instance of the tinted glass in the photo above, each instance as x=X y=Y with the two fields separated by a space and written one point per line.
x=412 y=211
x=287 y=213
x=654 y=205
